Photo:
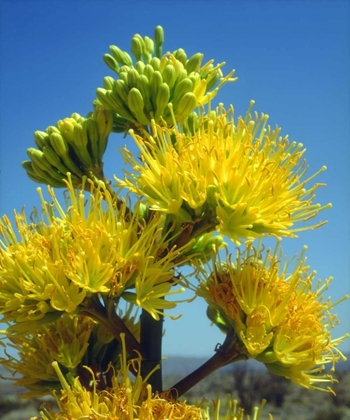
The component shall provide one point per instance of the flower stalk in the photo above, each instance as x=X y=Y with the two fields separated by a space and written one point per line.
x=151 y=347
x=107 y=316
x=225 y=354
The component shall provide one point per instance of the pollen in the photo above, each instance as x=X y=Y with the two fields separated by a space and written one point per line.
x=276 y=310
x=246 y=176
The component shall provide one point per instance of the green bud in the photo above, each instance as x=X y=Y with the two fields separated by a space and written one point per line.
x=206 y=243
x=121 y=89
x=178 y=66
x=136 y=48
x=158 y=40
x=162 y=99
x=143 y=211
x=127 y=60
x=136 y=105
x=117 y=53
x=156 y=81
x=155 y=63
x=103 y=99
x=41 y=139
x=159 y=35
x=132 y=78
x=149 y=45
x=108 y=82
x=215 y=317
x=111 y=62
x=169 y=75
x=52 y=129
x=140 y=67
x=267 y=357
x=195 y=77
x=181 y=75
x=77 y=117
x=27 y=165
x=148 y=71
x=186 y=105
x=193 y=64
x=180 y=55
x=122 y=57
x=181 y=88
x=123 y=75
x=145 y=88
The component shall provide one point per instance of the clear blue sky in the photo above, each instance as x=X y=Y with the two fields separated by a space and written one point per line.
x=291 y=57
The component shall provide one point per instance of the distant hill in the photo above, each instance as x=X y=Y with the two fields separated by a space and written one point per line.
x=181 y=365
x=6 y=386
x=172 y=366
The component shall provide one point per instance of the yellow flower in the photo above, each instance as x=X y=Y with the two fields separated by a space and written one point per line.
x=92 y=247
x=129 y=400
x=65 y=340
x=277 y=315
x=72 y=341
x=240 y=176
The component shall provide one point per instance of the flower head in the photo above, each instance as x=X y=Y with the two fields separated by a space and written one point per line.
x=94 y=246
x=241 y=177
x=277 y=315
x=128 y=400
x=72 y=341
x=75 y=145
x=144 y=90
x=65 y=340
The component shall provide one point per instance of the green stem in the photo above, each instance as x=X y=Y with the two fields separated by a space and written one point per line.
x=227 y=353
x=151 y=344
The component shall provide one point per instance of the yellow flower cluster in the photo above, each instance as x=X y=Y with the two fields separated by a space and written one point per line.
x=72 y=341
x=129 y=400
x=65 y=340
x=92 y=247
x=240 y=176
x=278 y=317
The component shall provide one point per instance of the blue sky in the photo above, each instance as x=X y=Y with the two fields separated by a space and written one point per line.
x=291 y=57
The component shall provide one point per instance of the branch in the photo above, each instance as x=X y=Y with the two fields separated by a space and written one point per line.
x=108 y=317
x=227 y=353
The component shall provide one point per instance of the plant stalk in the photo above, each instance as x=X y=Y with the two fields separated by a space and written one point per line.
x=151 y=345
x=227 y=353
x=115 y=325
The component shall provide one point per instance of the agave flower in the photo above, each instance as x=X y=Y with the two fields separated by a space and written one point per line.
x=65 y=340
x=278 y=316
x=128 y=400
x=67 y=256
x=72 y=341
x=240 y=177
